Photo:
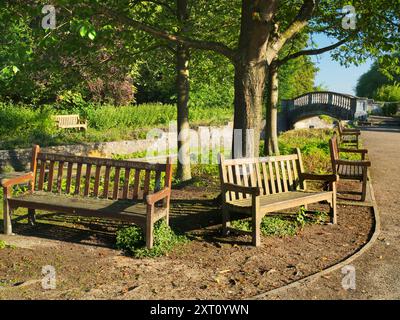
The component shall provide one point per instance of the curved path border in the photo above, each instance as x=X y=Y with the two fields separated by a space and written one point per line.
x=347 y=261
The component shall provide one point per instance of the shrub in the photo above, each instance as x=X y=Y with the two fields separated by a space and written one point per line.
x=388 y=93
x=390 y=109
x=68 y=100
x=132 y=240
x=23 y=125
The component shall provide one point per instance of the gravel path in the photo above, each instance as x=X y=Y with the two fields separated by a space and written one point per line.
x=378 y=270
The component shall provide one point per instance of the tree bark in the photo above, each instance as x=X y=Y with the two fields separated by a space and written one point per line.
x=249 y=88
x=250 y=75
x=183 y=89
x=271 y=145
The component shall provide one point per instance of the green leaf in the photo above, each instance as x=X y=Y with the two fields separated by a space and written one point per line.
x=83 y=31
x=15 y=69
x=92 y=34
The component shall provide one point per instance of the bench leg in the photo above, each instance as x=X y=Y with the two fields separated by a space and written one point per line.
x=7 y=212
x=256 y=222
x=31 y=217
x=150 y=228
x=364 y=185
x=225 y=221
x=333 y=204
x=166 y=205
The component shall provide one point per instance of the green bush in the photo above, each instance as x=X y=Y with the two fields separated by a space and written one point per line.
x=20 y=126
x=389 y=93
x=132 y=240
x=68 y=100
x=390 y=109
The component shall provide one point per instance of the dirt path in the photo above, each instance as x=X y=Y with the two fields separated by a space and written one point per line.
x=377 y=271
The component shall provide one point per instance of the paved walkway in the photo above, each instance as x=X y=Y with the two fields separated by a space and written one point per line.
x=378 y=270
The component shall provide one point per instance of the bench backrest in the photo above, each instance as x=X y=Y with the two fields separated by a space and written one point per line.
x=340 y=128
x=98 y=177
x=67 y=120
x=334 y=151
x=272 y=175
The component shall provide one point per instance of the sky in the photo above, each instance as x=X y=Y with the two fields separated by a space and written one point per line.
x=332 y=75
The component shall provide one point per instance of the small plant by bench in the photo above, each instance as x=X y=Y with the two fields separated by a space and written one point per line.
x=94 y=187
x=132 y=240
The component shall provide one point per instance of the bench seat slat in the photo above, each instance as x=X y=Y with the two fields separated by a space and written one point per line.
x=280 y=201
x=103 y=208
x=97 y=181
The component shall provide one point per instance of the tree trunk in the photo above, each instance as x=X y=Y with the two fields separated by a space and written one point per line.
x=249 y=88
x=250 y=74
x=183 y=88
x=271 y=145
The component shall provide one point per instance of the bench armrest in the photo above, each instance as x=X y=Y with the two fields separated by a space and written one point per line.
x=155 y=197
x=320 y=177
x=255 y=191
x=363 y=163
x=9 y=182
x=362 y=151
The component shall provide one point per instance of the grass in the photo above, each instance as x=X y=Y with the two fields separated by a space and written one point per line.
x=314 y=147
x=21 y=126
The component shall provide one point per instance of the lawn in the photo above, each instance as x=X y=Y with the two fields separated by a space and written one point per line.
x=21 y=126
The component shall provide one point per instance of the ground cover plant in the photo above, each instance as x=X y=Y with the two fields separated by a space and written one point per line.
x=132 y=240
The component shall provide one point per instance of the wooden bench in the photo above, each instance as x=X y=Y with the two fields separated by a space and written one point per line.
x=349 y=136
x=350 y=169
x=137 y=192
x=262 y=185
x=70 y=121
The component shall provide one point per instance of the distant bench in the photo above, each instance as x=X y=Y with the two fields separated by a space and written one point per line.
x=70 y=121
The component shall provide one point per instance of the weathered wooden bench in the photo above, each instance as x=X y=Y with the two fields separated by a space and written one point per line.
x=70 y=121
x=137 y=192
x=259 y=186
x=350 y=137
x=350 y=169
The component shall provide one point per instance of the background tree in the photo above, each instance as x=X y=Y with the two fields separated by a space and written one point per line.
x=369 y=83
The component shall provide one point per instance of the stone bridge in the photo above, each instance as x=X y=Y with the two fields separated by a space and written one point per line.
x=336 y=105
